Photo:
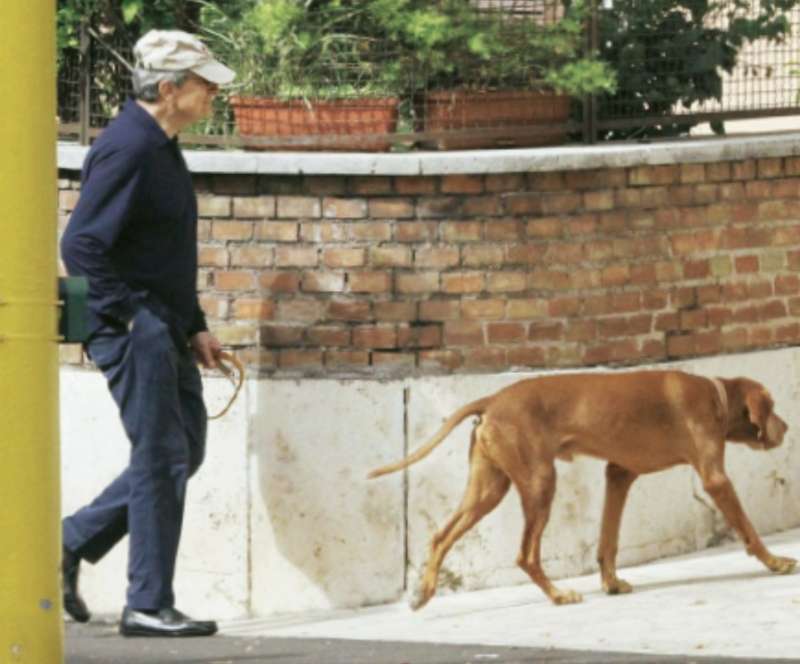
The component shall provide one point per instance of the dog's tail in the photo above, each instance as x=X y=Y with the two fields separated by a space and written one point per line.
x=474 y=408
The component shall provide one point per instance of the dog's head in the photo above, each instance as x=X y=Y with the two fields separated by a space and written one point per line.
x=751 y=418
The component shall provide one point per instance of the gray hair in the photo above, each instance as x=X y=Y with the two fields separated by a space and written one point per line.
x=145 y=82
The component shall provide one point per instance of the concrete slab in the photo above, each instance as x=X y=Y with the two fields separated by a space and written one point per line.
x=717 y=602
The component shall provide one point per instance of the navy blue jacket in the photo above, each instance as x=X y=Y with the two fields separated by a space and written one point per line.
x=133 y=233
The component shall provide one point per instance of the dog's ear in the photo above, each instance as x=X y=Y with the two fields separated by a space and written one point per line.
x=759 y=408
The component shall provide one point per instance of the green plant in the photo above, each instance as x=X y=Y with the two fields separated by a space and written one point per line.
x=314 y=48
x=672 y=53
x=453 y=43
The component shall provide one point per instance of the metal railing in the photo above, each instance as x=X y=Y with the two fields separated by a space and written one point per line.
x=675 y=70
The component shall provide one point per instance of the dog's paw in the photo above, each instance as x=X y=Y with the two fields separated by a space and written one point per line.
x=781 y=565
x=617 y=587
x=566 y=597
x=419 y=599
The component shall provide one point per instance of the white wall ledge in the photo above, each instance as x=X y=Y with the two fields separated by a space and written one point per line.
x=477 y=162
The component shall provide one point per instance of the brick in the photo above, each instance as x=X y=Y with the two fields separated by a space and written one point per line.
x=524 y=254
x=344 y=257
x=485 y=358
x=462 y=231
x=212 y=256
x=770 y=168
x=419 y=336
x=437 y=360
x=417 y=282
x=254 y=207
x=529 y=356
x=789 y=333
x=395 y=311
x=692 y=173
x=706 y=294
x=696 y=269
x=276 y=231
x=563 y=306
x=549 y=280
x=499 y=230
x=440 y=310
x=438 y=257
x=444 y=206
x=506 y=282
x=415 y=185
x=653 y=175
x=615 y=275
x=482 y=255
x=706 y=194
x=235 y=185
x=280 y=184
x=227 y=280
x=546 y=332
x=581 y=330
x=296 y=257
x=599 y=200
x=251 y=308
x=505 y=182
x=300 y=311
x=344 y=208
x=347 y=359
x=391 y=208
x=308 y=360
x=564 y=254
x=746 y=264
x=628 y=198
x=463 y=282
x=791 y=165
x=375 y=336
x=771 y=310
x=680 y=345
x=390 y=256
x=545 y=227
x=276 y=335
x=561 y=203
x=485 y=206
x=323 y=232
x=322 y=282
x=463 y=333
x=785 y=188
x=279 y=282
x=520 y=309
x=719 y=316
x=371 y=185
x=546 y=181
x=667 y=322
x=743 y=170
x=251 y=256
x=369 y=282
x=693 y=319
x=462 y=184
x=755 y=189
x=236 y=334
x=525 y=203
x=415 y=231
x=719 y=172
x=329 y=335
x=683 y=194
x=325 y=184
x=393 y=362
x=231 y=230
x=214 y=206
x=506 y=333
x=370 y=231
x=298 y=207
x=213 y=306
x=349 y=310
x=787 y=284
x=482 y=309
x=68 y=199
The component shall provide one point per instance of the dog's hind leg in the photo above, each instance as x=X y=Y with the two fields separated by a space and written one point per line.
x=618 y=482
x=486 y=487
x=536 y=490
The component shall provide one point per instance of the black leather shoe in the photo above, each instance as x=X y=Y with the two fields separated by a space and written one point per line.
x=166 y=622
x=73 y=602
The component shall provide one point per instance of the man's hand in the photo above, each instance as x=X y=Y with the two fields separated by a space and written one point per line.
x=206 y=348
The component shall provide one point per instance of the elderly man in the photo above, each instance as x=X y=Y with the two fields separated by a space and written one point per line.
x=133 y=234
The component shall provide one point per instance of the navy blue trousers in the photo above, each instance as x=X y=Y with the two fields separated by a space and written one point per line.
x=156 y=385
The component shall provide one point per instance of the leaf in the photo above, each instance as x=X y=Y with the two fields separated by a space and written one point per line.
x=131 y=10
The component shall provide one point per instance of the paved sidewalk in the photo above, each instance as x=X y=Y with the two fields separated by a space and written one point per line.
x=717 y=605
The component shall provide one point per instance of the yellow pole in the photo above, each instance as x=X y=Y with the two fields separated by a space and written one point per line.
x=31 y=628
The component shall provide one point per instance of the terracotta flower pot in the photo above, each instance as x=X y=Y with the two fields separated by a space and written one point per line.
x=337 y=124
x=504 y=114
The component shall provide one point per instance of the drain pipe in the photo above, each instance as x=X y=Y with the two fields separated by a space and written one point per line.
x=31 y=629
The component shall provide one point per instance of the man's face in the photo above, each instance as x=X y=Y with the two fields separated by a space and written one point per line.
x=192 y=100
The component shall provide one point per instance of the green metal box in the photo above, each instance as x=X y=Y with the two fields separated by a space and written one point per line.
x=73 y=319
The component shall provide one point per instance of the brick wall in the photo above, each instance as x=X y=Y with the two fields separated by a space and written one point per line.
x=378 y=276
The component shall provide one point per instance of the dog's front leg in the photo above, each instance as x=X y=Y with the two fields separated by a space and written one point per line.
x=719 y=486
x=618 y=483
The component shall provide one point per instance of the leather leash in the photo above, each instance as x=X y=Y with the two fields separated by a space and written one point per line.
x=227 y=370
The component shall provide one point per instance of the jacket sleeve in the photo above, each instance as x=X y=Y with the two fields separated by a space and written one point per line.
x=198 y=322
x=109 y=191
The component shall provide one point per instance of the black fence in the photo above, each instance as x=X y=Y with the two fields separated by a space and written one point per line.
x=485 y=79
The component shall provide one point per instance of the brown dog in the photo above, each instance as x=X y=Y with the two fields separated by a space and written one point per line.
x=640 y=422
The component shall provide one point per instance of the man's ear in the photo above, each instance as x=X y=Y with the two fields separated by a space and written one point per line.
x=165 y=89
x=758 y=410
